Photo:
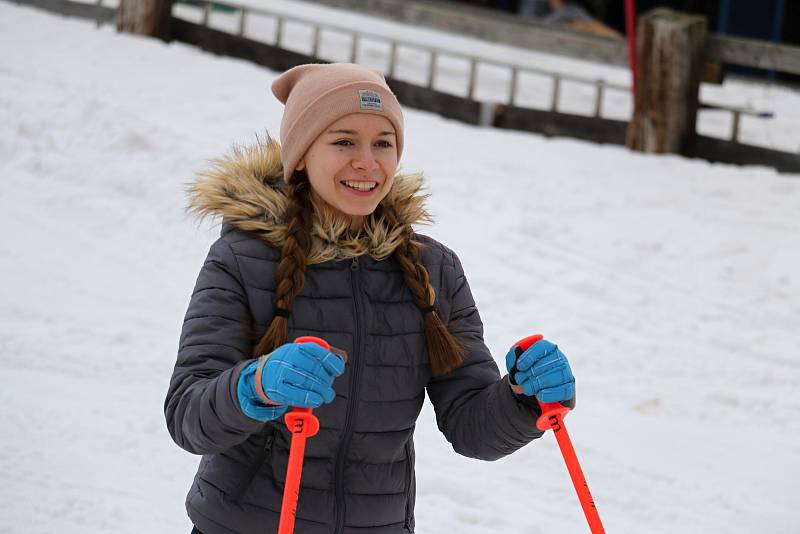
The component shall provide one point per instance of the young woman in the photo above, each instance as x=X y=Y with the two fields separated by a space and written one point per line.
x=317 y=239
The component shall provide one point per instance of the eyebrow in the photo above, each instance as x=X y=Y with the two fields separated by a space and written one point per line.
x=353 y=132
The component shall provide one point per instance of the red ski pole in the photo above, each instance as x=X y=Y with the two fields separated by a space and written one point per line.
x=553 y=414
x=302 y=424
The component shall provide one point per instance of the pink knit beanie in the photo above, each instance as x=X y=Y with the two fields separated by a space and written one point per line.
x=317 y=95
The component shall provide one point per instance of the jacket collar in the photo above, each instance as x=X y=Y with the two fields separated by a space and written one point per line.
x=246 y=189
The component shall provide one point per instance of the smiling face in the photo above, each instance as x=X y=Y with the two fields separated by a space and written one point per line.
x=351 y=164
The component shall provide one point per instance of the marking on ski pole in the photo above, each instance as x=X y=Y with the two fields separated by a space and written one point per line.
x=554 y=423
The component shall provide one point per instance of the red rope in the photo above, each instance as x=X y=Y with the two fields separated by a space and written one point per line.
x=630 y=30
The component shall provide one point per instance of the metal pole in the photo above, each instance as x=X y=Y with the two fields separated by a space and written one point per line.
x=598 y=105
x=432 y=69
x=473 y=75
x=392 y=59
x=735 y=132
x=556 y=91
x=206 y=13
x=315 y=50
x=354 y=48
x=512 y=97
x=243 y=12
x=278 y=32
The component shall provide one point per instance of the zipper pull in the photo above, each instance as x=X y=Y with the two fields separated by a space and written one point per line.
x=354 y=264
x=268 y=443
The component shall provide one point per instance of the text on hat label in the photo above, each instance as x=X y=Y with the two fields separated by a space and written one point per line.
x=370 y=100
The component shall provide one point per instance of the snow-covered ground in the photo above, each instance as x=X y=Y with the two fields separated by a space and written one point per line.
x=671 y=284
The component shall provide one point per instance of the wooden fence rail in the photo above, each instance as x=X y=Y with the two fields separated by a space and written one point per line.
x=600 y=86
x=498 y=27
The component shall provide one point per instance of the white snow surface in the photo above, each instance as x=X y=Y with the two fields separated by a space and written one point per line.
x=671 y=284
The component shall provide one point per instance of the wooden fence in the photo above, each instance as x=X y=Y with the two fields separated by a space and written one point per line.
x=467 y=108
x=553 y=121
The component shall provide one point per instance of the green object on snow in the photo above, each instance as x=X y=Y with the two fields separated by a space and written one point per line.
x=215 y=7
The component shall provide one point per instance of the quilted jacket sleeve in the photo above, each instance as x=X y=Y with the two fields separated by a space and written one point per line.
x=202 y=408
x=475 y=408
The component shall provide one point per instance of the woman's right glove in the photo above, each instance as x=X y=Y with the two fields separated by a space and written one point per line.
x=295 y=374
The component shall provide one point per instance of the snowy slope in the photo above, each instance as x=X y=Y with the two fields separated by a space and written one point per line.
x=671 y=284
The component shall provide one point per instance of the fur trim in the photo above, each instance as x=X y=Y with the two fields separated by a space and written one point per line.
x=246 y=189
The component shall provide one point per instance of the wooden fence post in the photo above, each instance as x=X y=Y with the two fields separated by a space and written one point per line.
x=669 y=54
x=145 y=17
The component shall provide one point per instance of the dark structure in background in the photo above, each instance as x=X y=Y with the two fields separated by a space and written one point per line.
x=770 y=20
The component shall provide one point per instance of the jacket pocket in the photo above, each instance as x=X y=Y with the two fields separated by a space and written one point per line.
x=263 y=455
x=409 y=488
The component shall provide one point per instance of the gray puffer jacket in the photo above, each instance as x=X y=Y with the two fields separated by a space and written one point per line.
x=358 y=475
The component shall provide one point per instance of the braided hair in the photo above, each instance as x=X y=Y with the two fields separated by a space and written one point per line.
x=444 y=350
x=291 y=271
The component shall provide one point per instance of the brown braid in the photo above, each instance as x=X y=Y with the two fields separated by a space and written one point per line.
x=444 y=350
x=292 y=267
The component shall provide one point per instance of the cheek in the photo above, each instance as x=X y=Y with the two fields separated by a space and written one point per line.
x=389 y=165
x=387 y=186
x=323 y=171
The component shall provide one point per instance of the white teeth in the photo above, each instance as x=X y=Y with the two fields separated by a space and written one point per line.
x=361 y=186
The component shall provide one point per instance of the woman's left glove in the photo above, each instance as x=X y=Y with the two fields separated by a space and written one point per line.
x=541 y=371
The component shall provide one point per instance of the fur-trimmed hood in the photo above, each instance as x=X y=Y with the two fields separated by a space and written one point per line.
x=246 y=189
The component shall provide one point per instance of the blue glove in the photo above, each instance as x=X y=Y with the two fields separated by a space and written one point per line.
x=541 y=370
x=295 y=374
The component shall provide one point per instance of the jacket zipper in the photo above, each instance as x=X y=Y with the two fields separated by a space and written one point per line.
x=255 y=467
x=409 y=475
x=352 y=404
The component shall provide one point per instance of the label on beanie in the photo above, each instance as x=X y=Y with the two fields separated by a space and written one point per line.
x=370 y=100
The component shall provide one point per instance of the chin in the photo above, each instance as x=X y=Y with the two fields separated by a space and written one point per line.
x=362 y=211
x=354 y=209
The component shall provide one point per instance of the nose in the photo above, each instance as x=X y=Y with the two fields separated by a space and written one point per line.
x=364 y=160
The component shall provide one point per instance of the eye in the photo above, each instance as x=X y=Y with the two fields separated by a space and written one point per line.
x=384 y=144
x=343 y=142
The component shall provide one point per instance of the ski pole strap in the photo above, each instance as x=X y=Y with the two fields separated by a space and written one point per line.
x=262 y=361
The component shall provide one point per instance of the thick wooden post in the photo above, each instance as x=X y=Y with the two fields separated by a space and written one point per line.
x=669 y=54
x=145 y=17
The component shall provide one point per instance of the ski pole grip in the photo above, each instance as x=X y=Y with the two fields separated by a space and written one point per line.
x=301 y=421
x=552 y=412
x=519 y=347
x=311 y=339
